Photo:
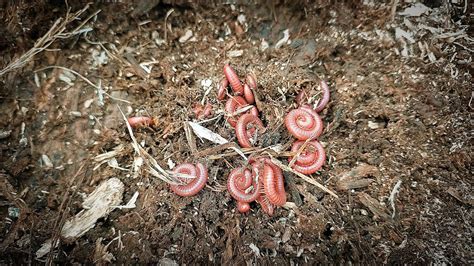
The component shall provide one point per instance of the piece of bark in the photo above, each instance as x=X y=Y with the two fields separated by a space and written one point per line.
x=356 y=177
x=295 y=195
x=374 y=206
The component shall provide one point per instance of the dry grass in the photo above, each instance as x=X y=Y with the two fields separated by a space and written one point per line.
x=57 y=31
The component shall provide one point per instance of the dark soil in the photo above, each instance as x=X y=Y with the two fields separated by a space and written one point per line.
x=389 y=119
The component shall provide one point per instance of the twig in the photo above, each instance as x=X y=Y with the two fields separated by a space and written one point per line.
x=190 y=138
x=67 y=198
x=393 y=9
x=393 y=194
x=153 y=167
x=166 y=23
x=470 y=100
x=470 y=50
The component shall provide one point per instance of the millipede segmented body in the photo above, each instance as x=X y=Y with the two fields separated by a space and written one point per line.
x=192 y=185
x=273 y=183
x=324 y=99
x=207 y=111
x=267 y=207
x=140 y=121
x=248 y=94
x=301 y=97
x=201 y=111
x=304 y=123
x=239 y=181
x=232 y=105
x=311 y=159
x=241 y=130
x=222 y=88
x=233 y=79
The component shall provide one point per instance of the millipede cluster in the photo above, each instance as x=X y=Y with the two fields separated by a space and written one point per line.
x=305 y=124
x=261 y=181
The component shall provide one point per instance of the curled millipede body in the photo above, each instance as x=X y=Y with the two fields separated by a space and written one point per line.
x=248 y=94
x=239 y=181
x=241 y=128
x=311 y=159
x=325 y=99
x=233 y=79
x=140 y=121
x=304 y=123
x=232 y=105
x=222 y=88
x=192 y=185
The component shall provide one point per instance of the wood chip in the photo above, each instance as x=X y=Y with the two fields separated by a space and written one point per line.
x=190 y=138
x=286 y=235
x=137 y=69
x=186 y=36
x=355 y=178
x=374 y=206
x=97 y=205
x=455 y=194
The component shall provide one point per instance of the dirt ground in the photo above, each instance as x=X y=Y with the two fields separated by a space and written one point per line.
x=398 y=132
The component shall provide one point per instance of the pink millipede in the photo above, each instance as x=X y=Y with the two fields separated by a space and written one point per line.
x=325 y=99
x=207 y=111
x=239 y=181
x=301 y=97
x=241 y=128
x=243 y=207
x=274 y=185
x=197 y=110
x=140 y=121
x=248 y=94
x=222 y=88
x=194 y=185
x=304 y=123
x=233 y=79
x=311 y=159
x=232 y=105
x=267 y=207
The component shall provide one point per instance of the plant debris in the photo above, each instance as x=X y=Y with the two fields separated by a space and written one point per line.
x=396 y=131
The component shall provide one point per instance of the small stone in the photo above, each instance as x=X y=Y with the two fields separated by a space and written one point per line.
x=46 y=161
x=88 y=103
x=235 y=53
x=187 y=35
x=13 y=212
x=5 y=134
x=24 y=110
x=75 y=113
x=373 y=125
x=286 y=235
